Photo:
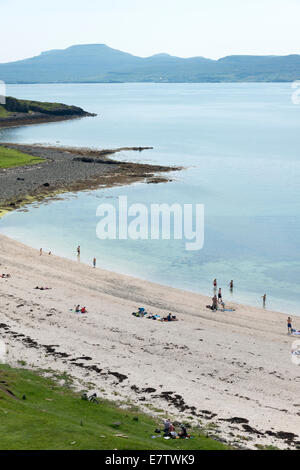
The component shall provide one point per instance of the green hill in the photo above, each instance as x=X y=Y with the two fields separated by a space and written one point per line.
x=38 y=414
x=100 y=63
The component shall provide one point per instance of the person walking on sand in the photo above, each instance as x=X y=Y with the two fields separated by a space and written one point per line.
x=94 y=262
x=289 y=325
x=41 y=251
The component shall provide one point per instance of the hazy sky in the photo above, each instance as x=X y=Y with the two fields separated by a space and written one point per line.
x=210 y=28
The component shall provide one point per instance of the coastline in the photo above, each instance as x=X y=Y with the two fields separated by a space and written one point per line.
x=69 y=169
x=208 y=367
x=37 y=118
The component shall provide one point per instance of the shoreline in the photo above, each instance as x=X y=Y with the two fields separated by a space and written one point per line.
x=230 y=371
x=69 y=169
x=17 y=121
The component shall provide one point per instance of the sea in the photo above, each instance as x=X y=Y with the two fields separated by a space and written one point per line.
x=239 y=146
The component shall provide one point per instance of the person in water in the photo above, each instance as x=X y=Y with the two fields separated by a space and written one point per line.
x=231 y=285
x=264 y=297
x=220 y=298
x=290 y=327
x=78 y=250
x=215 y=284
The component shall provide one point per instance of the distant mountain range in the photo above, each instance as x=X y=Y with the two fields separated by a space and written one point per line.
x=99 y=63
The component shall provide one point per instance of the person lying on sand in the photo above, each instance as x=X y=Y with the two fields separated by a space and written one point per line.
x=170 y=317
x=6 y=276
x=43 y=288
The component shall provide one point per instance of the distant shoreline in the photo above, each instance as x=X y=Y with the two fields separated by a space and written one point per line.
x=36 y=118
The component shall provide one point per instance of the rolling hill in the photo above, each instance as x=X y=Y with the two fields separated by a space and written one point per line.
x=100 y=63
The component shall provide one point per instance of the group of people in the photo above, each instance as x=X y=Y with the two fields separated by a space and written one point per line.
x=142 y=313
x=170 y=431
x=80 y=309
x=217 y=299
x=41 y=252
x=5 y=276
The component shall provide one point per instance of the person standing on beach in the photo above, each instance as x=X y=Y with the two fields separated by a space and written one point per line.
x=94 y=262
x=290 y=327
x=41 y=251
x=220 y=296
x=78 y=250
x=264 y=297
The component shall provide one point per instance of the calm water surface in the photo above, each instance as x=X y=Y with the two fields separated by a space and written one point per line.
x=240 y=145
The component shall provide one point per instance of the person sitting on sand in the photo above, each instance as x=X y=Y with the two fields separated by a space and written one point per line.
x=77 y=309
x=289 y=325
x=214 y=303
x=83 y=310
x=170 y=317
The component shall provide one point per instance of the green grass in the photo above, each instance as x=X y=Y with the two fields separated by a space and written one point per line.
x=56 y=418
x=3 y=112
x=11 y=158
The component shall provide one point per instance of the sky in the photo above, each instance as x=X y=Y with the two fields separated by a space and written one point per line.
x=185 y=28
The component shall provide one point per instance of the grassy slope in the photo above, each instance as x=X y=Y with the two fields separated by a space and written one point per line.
x=11 y=158
x=3 y=112
x=54 y=417
x=15 y=105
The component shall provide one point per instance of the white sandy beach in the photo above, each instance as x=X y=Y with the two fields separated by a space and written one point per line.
x=221 y=365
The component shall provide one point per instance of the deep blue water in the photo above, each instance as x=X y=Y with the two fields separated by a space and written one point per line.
x=240 y=145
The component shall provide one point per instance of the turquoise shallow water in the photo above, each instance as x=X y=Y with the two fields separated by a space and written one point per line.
x=240 y=146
